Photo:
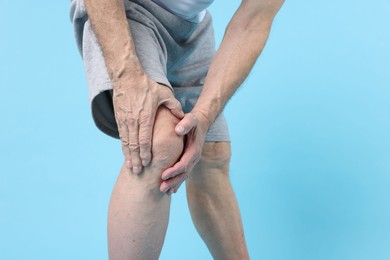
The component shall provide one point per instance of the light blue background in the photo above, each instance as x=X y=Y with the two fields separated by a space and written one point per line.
x=310 y=130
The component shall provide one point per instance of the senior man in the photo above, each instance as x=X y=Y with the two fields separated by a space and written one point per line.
x=157 y=83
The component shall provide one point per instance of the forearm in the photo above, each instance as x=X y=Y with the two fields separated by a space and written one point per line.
x=109 y=23
x=242 y=44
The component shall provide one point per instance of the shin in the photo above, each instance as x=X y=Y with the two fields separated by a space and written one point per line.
x=213 y=205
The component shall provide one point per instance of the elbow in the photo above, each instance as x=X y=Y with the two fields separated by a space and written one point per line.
x=255 y=16
x=261 y=11
x=273 y=7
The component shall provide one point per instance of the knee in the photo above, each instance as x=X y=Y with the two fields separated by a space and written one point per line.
x=166 y=151
x=167 y=146
x=216 y=155
x=212 y=172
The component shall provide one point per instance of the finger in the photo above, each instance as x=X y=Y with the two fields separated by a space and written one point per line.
x=173 y=182
x=174 y=106
x=128 y=163
x=178 y=168
x=186 y=124
x=124 y=136
x=170 y=191
x=134 y=146
x=145 y=141
x=185 y=164
x=175 y=188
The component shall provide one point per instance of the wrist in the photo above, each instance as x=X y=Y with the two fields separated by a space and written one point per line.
x=203 y=118
x=130 y=79
x=207 y=109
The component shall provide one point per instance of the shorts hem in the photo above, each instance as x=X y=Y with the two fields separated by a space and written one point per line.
x=99 y=121
x=218 y=138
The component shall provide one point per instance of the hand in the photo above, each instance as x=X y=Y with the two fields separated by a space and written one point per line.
x=135 y=108
x=195 y=126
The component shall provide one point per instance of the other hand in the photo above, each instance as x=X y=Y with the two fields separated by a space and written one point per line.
x=195 y=126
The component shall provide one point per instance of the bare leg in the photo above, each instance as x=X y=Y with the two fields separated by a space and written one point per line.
x=213 y=205
x=138 y=212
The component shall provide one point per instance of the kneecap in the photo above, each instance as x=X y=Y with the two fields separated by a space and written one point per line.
x=167 y=146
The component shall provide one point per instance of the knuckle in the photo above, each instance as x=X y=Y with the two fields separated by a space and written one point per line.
x=121 y=122
x=132 y=122
x=125 y=142
x=133 y=147
x=145 y=142
x=144 y=120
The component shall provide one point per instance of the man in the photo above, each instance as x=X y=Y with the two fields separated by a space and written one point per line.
x=148 y=62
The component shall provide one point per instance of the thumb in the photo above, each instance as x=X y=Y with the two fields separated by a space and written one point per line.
x=186 y=124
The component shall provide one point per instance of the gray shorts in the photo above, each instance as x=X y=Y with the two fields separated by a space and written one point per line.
x=172 y=51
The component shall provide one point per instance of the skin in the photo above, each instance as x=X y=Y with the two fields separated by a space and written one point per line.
x=135 y=96
x=138 y=212
x=213 y=206
x=243 y=42
x=152 y=126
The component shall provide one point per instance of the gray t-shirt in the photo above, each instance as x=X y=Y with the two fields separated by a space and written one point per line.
x=190 y=10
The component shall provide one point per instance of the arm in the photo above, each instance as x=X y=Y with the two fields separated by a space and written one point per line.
x=244 y=39
x=136 y=97
x=109 y=23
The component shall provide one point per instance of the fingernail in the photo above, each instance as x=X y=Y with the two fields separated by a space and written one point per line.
x=145 y=163
x=136 y=170
x=166 y=189
x=128 y=164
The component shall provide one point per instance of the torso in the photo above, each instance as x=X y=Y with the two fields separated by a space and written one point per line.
x=191 y=10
